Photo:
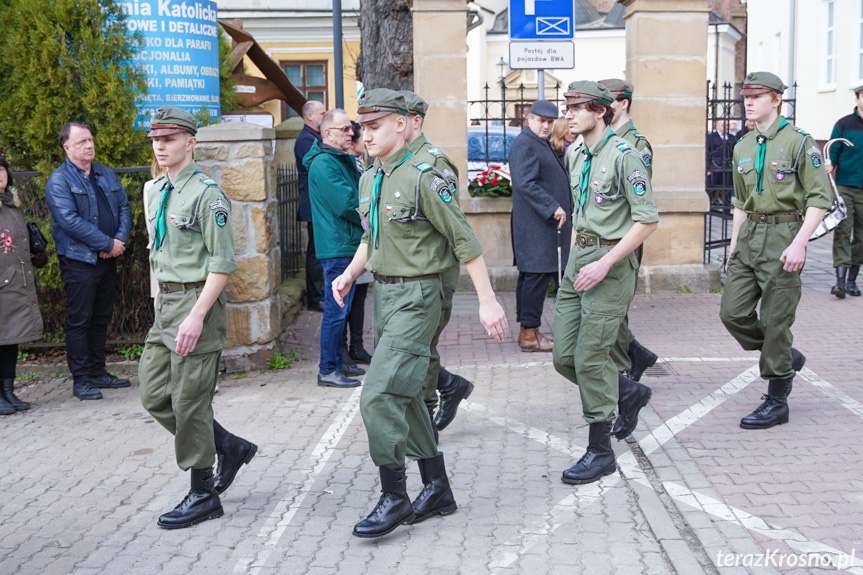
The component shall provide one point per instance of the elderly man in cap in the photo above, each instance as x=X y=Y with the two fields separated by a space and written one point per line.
x=614 y=214
x=192 y=257
x=631 y=357
x=846 y=165
x=451 y=387
x=541 y=202
x=781 y=195
x=412 y=224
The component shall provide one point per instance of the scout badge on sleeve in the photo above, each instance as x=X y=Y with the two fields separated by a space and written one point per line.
x=839 y=211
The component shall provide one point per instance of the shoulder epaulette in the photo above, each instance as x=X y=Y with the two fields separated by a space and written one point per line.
x=639 y=136
x=423 y=167
x=623 y=146
x=435 y=152
x=802 y=131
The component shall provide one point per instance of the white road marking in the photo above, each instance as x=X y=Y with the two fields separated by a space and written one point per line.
x=846 y=400
x=526 y=364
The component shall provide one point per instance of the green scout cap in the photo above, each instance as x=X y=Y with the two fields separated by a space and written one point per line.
x=170 y=120
x=858 y=89
x=618 y=87
x=761 y=83
x=585 y=91
x=416 y=105
x=379 y=102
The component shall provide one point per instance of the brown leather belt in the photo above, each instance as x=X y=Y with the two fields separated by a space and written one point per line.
x=396 y=279
x=585 y=241
x=774 y=218
x=168 y=287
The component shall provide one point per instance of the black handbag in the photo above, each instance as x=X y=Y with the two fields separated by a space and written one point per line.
x=38 y=243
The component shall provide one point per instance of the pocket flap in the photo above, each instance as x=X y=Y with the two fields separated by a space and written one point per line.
x=6 y=277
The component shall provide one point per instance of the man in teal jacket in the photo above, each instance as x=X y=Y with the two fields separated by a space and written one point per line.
x=333 y=191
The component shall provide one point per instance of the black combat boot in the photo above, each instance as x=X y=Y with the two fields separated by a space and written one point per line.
x=7 y=393
x=452 y=388
x=393 y=508
x=6 y=407
x=201 y=503
x=632 y=397
x=641 y=359
x=851 y=284
x=436 y=496
x=597 y=461
x=774 y=409
x=798 y=360
x=839 y=289
x=232 y=452
x=433 y=424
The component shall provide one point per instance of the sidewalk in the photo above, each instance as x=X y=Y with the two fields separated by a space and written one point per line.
x=83 y=482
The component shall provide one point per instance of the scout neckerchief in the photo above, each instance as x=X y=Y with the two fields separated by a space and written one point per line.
x=761 y=152
x=163 y=204
x=581 y=202
x=379 y=176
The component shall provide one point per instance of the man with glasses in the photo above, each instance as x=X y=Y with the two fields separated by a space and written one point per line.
x=614 y=213
x=333 y=191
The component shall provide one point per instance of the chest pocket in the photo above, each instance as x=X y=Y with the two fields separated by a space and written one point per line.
x=747 y=170
x=398 y=218
x=602 y=192
x=782 y=172
x=180 y=234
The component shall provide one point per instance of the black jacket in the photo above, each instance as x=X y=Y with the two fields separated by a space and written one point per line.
x=848 y=162
x=304 y=142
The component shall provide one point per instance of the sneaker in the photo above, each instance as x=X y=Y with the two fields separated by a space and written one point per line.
x=83 y=390
x=109 y=381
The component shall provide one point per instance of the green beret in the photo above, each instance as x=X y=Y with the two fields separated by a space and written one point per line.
x=170 y=120
x=416 y=105
x=617 y=86
x=586 y=91
x=761 y=83
x=379 y=102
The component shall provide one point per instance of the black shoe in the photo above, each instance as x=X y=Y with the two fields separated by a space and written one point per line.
x=336 y=379
x=6 y=407
x=773 y=410
x=393 y=508
x=798 y=360
x=316 y=307
x=7 y=395
x=632 y=397
x=641 y=358
x=436 y=496
x=452 y=388
x=598 y=461
x=354 y=371
x=109 y=381
x=201 y=503
x=232 y=453
x=359 y=354
x=839 y=289
x=433 y=424
x=83 y=390
x=851 y=284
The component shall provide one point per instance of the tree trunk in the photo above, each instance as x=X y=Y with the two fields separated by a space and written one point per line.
x=386 y=44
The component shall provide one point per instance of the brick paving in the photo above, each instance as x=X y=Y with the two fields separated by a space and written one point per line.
x=83 y=482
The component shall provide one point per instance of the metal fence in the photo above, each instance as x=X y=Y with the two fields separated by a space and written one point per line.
x=290 y=231
x=725 y=106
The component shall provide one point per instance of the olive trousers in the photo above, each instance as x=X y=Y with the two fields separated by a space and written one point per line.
x=176 y=390
x=586 y=326
x=620 y=351
x=848 y=235
x=449 y=283
x=406 y=319
x=755 y=273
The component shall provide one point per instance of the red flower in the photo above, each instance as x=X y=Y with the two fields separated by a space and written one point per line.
x=494 y=181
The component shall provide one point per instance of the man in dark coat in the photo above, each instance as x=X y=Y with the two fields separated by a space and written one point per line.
x=313 y=113
x=541 y=204
x=720 y=145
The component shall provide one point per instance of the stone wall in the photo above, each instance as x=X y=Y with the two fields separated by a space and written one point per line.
x=240 y=157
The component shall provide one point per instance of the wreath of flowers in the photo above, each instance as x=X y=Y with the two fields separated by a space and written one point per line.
x=491 y=183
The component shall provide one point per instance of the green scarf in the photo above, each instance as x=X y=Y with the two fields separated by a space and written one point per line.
x=160 y=215
x=376 y=193
x=760 y=154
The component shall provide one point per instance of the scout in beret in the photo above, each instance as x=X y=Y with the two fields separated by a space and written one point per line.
x=614 y=213
x=631 y=357
x=412 y=227
x=451 y=387
x=781 y=194
x=192 y=256
x=846 y=166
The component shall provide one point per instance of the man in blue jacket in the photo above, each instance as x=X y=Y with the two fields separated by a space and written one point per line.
x=846 y=165
x=313 y=112
x=91 y=226
x=334 y=194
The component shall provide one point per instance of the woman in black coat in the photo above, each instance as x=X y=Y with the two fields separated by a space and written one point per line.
x=541 y=205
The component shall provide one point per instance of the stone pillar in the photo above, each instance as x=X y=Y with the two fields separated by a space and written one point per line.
x=666 y=62
x=239 y=157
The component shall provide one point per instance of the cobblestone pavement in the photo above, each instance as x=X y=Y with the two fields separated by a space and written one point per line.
x=83 y=482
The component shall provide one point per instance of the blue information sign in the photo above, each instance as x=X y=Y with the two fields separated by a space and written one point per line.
x=180 y=55
x=541 y=19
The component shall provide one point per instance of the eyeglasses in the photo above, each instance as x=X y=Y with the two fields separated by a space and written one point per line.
x=344 y=129
x=574 y=109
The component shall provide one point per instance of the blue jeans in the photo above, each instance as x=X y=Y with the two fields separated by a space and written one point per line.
x=333 y=322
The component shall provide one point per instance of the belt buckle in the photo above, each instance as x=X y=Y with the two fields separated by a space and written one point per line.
x=582 y=241
x=762 y=218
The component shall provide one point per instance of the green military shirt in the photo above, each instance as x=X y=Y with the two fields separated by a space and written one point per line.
x=408 y=248
x=198 y=234
x=422 y=148
x=783 y=191
x=618 y=190
x=628 y=132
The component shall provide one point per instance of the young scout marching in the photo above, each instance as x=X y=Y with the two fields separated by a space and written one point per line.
x=412 y=225
x=631 y=357
x=614 y=214
x=192 y=257
x=452 y=388
x=781 y=195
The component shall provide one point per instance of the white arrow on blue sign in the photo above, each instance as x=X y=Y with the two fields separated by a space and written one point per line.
x=541 y=19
